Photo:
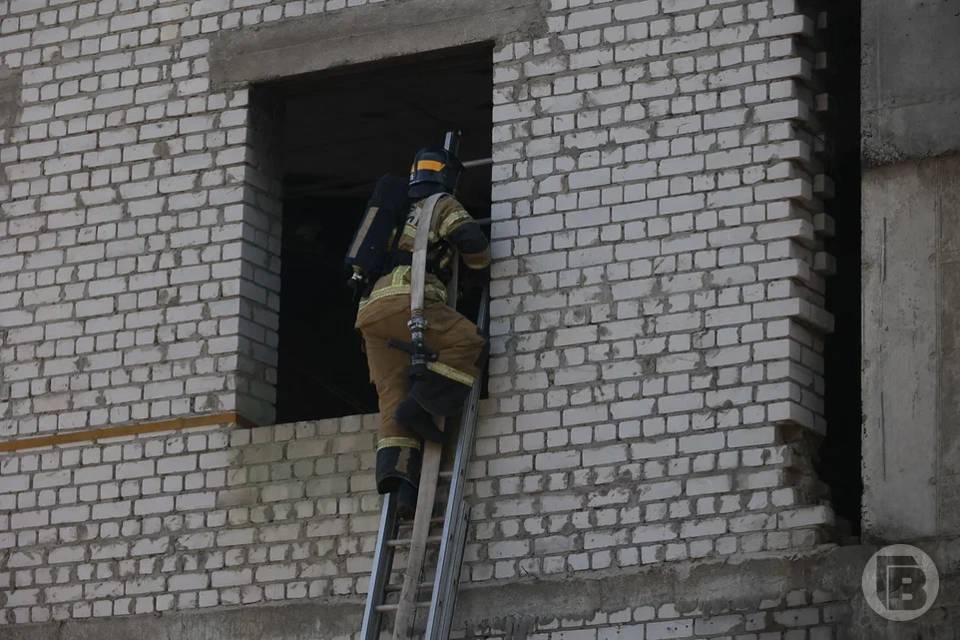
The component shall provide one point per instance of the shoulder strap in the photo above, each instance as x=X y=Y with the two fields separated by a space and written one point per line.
x=421 y=242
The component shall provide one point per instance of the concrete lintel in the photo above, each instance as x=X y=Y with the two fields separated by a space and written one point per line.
x=367 y=34
x=911 y=101
x=913 y=131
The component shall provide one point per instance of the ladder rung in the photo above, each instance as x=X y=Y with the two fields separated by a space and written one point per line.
x=402 y=542
x=383 y=608
x=433 y=520
x=392 y=588
x=446 y=475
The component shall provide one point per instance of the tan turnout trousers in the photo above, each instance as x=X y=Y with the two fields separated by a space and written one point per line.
x=453 y=337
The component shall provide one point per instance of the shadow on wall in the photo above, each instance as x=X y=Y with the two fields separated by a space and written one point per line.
x=840 y=454
x=190 y=519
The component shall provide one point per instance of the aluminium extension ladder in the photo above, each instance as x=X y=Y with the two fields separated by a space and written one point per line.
x=455 y=517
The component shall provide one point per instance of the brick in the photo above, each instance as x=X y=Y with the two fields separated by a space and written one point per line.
x=589 y=18
x=707 y=485
x=187 y=582
x=147 y=506
x=668 y=630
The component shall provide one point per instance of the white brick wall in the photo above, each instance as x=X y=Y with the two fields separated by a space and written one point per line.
x=122 y=255
x=212 y=516
x=656 y=315
x=187 y=519
x=657 y=328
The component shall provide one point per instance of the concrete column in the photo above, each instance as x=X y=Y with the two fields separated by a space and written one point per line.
x=910 y=333
x=911 y=287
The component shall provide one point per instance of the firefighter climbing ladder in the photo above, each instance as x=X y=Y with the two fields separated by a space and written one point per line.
x=455 y=517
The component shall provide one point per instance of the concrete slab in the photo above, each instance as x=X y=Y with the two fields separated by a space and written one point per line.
x=910 y=79
x=367 y=34
x=316 y=621
x=911 y=359
x=697 y=589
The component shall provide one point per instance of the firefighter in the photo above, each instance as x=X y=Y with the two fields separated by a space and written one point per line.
x=408 y=405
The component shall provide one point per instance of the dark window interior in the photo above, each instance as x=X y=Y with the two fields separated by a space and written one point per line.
x=840 y=453
x=341 y=131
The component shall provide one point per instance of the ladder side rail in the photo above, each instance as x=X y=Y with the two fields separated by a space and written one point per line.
x=444 y=591
x=449 y=606
x=380 y=572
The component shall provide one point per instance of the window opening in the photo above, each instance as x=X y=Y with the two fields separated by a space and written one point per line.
x=342 y=130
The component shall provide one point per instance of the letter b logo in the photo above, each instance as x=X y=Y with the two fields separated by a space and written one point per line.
x=900 y=582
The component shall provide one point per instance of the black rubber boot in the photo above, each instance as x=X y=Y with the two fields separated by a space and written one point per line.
x=414 y=417
x=406 y=500
x=439 y=395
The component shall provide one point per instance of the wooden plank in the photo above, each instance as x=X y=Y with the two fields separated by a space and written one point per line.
x=421 y=527
x=137 y=428
x=433 y=451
